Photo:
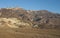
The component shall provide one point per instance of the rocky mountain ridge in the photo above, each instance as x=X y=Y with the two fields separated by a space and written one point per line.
x=38 y=19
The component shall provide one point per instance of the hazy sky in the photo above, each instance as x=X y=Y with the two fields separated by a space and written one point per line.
x=50 y=5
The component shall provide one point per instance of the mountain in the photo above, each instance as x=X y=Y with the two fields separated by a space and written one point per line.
x=21 y=23
x=38 y=19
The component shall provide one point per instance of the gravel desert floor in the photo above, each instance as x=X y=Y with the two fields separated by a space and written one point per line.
x=29 y=33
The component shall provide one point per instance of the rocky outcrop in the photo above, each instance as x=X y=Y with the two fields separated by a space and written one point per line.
x=13 y=23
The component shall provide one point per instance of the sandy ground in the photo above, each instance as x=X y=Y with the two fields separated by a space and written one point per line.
x=29 y=33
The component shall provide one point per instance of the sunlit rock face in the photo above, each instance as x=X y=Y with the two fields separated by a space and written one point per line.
x=12 y=22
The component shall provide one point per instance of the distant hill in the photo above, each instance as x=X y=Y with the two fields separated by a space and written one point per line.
x=37 y=19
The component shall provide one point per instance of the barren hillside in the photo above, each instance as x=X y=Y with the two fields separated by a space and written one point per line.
x=21 y=23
